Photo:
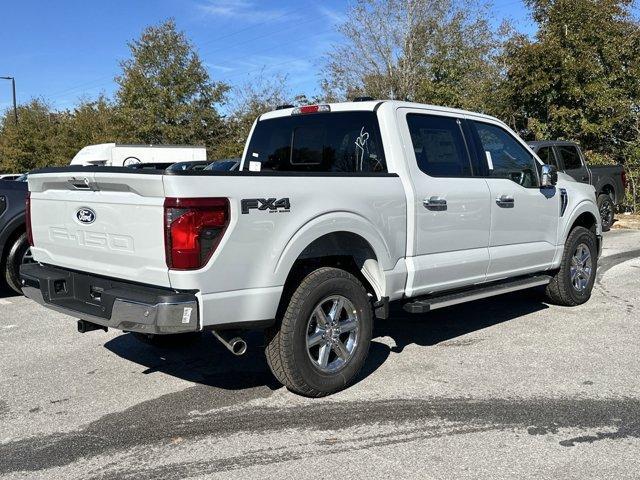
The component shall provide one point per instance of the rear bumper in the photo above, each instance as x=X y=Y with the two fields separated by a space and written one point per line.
x=111 y=303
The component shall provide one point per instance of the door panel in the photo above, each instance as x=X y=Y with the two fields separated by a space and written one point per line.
x=524 y=217
x=450 y=208
x=523 y=233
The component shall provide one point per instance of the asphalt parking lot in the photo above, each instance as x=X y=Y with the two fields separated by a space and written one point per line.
x=507 y=387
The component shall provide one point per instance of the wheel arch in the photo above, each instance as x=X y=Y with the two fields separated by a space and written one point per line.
x=585 y=214
x=345 y=240
x=608 y=189
x=12 y=230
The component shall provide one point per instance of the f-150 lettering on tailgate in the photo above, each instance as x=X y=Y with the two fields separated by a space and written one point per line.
x=99 y=240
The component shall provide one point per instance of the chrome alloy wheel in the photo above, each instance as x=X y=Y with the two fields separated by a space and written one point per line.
x=581 y=268
x=332 y=333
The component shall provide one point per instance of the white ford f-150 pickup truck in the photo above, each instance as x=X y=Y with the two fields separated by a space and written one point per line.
x=336 y=210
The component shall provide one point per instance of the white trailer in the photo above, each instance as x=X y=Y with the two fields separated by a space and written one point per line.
x=119 y=155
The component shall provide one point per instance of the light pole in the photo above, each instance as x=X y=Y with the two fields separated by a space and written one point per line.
x=15 y=108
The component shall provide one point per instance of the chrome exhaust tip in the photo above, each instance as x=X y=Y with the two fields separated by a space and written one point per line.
x=234 y=344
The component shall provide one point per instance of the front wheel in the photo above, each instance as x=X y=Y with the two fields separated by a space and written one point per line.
x=607 y=209
x=573 y=282
x=323 y=337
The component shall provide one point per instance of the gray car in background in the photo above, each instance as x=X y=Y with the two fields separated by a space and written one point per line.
x=609 y=181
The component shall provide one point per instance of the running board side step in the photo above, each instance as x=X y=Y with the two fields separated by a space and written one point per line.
x=426 y=304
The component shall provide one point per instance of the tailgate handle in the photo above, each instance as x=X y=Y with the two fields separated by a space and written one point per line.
x=82 y=183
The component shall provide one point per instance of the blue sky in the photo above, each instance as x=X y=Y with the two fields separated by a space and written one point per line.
x=65 y=49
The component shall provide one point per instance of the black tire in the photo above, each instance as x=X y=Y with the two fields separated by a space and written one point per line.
x=561 y=290
x=286 y=343
x=167 y=341
x=606 y=208
x=14 y=260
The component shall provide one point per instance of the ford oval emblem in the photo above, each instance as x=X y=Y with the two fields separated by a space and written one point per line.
x=86 y=215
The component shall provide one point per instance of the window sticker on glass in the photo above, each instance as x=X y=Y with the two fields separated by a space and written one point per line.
x=489 y=160
x=255 y=155
x=255 y=166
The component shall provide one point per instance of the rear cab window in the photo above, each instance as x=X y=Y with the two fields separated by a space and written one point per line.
x=330 y=142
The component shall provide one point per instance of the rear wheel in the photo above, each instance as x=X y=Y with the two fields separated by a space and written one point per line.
x=573 y=282
x=324 y=334
x=19 y=253
x=607 y=210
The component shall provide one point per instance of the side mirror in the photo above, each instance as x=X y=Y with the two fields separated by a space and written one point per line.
x=549 y=176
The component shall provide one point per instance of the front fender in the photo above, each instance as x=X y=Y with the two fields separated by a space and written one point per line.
x=584 y=206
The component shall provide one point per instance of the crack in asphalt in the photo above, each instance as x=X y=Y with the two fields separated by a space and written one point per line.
x=173 y=415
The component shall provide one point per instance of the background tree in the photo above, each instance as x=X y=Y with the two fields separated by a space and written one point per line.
x=437 y=51
x=32 y=142
x=165 y=94
x=247 y=103
x=579 y=78
x=460 y=63
x=91 y=122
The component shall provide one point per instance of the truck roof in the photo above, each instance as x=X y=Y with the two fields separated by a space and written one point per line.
x=372 y=105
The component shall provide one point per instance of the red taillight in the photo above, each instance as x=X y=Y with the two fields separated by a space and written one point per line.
x=27 y=215
x=193 y=228
x=624 y=179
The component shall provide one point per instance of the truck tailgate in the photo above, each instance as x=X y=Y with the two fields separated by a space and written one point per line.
x=106 y=223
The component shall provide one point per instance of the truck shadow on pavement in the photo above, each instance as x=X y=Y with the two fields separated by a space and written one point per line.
x=205 y=361
x=6 y=292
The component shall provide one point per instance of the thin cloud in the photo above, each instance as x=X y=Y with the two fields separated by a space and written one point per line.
x=245 y=10
x=335 y=16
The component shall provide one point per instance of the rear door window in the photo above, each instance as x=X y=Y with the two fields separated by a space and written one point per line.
x=570 y=157
x=439 y=145
x=338 y=142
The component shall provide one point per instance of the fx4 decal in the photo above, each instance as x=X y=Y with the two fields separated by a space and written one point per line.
x=271 y=204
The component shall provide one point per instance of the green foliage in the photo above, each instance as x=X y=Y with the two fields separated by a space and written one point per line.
x=35 y=133
x=459 y=66
x=165 y=94
x=47 y=138
x=579 y=78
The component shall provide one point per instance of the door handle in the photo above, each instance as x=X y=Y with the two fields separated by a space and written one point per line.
x=81 y=183
x=435 y=203
x=505 y=201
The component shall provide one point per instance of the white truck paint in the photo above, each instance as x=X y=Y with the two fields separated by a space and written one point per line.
x=408 y=233
x=119 y=155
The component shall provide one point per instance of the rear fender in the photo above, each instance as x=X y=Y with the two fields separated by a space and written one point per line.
x=372 y=269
